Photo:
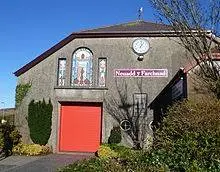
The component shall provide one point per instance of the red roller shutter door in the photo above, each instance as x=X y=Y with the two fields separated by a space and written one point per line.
x=80 y=128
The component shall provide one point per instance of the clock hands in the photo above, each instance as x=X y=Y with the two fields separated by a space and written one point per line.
x=142 y=43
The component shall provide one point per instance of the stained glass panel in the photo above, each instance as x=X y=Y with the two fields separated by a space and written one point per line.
x=82 y=68
x=61 y=72
x=102 y=72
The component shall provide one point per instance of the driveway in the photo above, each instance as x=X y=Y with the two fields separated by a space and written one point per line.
x=48 y=163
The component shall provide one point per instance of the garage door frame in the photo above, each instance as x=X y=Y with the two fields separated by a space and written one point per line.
x=98 y=104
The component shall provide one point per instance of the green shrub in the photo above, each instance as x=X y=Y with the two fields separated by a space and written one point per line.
x=1 y=140
x=14 y=134
x=31 y=149
x=189 y=137
x=113 y=158
x=115 y=136
x=9 y=137
x=126 y=152
x=193 y=116
x=39 y=121
x=20 y=93
x=111 y=165
x=92 y=165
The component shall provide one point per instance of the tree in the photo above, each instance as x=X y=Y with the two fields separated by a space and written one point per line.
x=120 y=108
x=196 y=23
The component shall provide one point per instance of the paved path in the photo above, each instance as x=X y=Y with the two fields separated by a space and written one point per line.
x=48 y=163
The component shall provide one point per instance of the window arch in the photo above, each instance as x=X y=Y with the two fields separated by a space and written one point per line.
x=82 y=67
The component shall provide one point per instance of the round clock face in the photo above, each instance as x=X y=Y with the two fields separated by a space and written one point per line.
x=140 y=46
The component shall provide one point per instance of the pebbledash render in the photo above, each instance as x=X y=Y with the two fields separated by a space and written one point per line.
x=81 y=70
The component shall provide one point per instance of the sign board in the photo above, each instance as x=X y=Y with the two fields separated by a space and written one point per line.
x=141 y=73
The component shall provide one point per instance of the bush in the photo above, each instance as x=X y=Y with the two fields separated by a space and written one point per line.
x=189 y=137
x=31 y=149
x=193 y=116
x=115 y=136
x=9 y=137
x=187 y=141
x=1 y=140
x=39 y=121
x=126 y=152
x=92 y=165
x=106 y=152
x=113 y=163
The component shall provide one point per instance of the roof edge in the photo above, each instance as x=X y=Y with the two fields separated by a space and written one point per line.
x=43 y=56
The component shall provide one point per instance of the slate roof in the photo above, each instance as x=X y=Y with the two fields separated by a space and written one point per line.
x=133 y=26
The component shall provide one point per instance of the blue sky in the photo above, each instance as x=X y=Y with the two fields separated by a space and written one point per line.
x=28 y=28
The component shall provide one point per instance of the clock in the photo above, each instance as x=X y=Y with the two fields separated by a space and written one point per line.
x=140 y=46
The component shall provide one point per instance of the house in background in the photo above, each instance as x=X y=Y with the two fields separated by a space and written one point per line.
x=80 y=72
x=7 y=114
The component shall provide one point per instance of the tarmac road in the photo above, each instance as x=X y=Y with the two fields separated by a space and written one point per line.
x=47 y=163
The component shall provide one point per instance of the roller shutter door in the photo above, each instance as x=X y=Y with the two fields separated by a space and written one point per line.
x=80 y=128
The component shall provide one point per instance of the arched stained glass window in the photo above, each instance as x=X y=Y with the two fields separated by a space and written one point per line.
x=82 y=68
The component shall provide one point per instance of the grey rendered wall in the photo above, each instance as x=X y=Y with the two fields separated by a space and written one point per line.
x=163 y=53
x=42 y=78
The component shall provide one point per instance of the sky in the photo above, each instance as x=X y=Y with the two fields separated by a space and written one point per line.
x=29 y=28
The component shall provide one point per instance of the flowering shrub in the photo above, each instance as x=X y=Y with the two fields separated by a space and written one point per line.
x=105 y=152
x=31 y=149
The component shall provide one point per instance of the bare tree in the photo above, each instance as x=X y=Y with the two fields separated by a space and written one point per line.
x=119 y=106
x=196 y=23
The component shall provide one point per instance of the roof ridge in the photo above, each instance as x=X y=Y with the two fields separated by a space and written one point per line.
x=103 y=27
x=124 y=24
x=157 y=23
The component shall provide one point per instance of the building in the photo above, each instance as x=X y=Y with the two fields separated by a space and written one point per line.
x=87 y=68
